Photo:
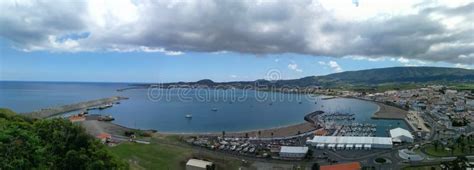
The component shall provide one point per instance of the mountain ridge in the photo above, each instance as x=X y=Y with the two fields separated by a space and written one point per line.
x=368 y=77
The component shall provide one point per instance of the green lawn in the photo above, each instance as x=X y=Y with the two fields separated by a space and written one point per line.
x=160 y=154
x=430 y=149
x=153 y=156
x=463 y=86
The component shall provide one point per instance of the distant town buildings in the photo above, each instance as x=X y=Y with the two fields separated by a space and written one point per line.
x=451 y=109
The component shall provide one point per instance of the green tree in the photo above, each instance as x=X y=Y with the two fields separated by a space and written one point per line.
x=50 y=144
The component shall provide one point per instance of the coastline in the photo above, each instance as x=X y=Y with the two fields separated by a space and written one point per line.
x=389 y=112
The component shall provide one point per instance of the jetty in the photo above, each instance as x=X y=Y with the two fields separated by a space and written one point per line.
x=48 y=112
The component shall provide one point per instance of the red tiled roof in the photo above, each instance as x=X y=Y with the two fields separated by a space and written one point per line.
x=104 y=136
x=343 y=166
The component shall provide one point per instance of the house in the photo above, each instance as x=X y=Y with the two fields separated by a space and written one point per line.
x=342 y=166
x=104 y=137
x=196 y=164
x=401 y=135
x=77 y=118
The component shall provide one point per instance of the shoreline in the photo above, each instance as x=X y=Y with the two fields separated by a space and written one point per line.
x=389 y=112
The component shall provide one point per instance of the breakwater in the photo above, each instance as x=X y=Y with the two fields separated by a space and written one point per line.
x=48 y=112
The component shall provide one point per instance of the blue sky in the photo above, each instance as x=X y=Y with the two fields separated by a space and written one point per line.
x=169 y=41
x=159 y=67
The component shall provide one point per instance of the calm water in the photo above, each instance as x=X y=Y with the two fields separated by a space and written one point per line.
x=165 y=110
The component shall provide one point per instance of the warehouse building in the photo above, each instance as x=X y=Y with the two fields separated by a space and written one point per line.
x=293 y=151
x=196 y=164
x=401 y=135
x=350 y=142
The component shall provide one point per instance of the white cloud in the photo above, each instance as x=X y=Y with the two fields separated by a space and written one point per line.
x=403 y=60
x=294 y=67
x=333 y=65
x=465 y=66
x=373 y=29
x=233 y=76
x=356 y=57
x=161 y=50
x=411 y=62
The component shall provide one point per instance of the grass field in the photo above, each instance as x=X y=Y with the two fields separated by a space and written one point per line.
x=153 y=156
x=442 y=152
x=430 y=149
x=463 y=86
x=163 y=154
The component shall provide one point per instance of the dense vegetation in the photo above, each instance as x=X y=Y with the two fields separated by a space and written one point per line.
x=50 y=144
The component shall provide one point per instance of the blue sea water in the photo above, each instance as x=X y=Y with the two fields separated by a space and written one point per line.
x=165 y=110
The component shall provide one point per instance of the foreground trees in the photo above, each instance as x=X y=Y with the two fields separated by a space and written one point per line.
x=50 y=144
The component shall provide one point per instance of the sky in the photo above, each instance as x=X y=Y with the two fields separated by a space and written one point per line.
x=226 y=40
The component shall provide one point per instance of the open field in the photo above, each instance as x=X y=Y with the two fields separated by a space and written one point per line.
x=466 y=86
x=441 y=151
x=167 y=152
x=430 y=150
x=153 y=156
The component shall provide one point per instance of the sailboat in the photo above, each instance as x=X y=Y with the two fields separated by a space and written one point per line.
x=189 y=116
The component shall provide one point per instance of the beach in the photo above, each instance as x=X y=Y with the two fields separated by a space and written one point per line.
x=389 y=112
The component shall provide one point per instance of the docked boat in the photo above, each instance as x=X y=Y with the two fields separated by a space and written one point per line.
x=105 y=106
x=106 y=118
x=328 y=97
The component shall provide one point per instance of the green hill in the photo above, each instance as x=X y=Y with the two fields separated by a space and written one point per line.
x=395 y=75
x=392 y=76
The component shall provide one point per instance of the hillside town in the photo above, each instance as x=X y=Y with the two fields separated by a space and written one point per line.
x=436 y=115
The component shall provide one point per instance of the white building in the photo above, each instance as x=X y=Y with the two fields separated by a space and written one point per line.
x=401 y=135
x=293 y=151
x=196 y=164
x=350 y=142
